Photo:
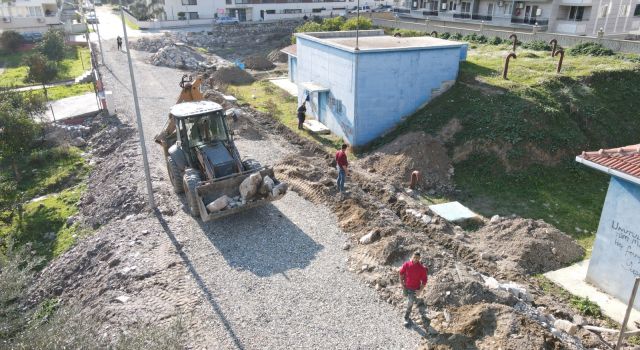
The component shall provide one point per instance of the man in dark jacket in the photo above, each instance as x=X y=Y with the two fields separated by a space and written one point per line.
x=302 y=110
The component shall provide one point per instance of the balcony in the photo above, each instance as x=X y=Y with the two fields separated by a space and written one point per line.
x=571 y=26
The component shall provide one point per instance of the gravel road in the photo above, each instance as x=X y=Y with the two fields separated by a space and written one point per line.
x=271 y=278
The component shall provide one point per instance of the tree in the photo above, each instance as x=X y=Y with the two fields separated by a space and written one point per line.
x=18 y=131
x=41 y=70
x=352 y=24
x=52 y=45
x=10 y=40
x=307 y=27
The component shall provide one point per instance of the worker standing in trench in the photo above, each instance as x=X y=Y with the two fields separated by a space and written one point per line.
x=413 y=277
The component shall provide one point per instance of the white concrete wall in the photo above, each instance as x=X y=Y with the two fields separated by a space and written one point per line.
x=615 y=260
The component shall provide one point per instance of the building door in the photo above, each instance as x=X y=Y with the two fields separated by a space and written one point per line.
x=490 y=9
x=322 y=106
x=262 y=15
x=527 y=13
x=242 y=15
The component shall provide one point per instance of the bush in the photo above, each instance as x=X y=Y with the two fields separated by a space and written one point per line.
x=470 y=38
x=333 y=24
x=481 y=39
x=536 y=45
x=10 y=40
x=496 y=40
x=41 y=70
x=590 y=49
x=445 y=35
x=352 y=24
x=307 y=27
x=52 y=45
x=456 y=36
x=407 y=33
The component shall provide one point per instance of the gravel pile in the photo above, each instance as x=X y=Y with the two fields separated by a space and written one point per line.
x=277 y=56
x=178 y=56
x=258 y=62
x=152 y=45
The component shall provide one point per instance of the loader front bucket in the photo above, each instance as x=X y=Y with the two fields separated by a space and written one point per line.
x=209 y=191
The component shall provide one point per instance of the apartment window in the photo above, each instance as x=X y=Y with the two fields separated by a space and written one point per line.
x=490 y=9
x=193 y=15
x=228 y=2
x=270 y=12
x=35 y=11
x=189 y=2
x=636 y=13
x=465 y=7
x=576 y=13
x=508 y=10
x=604 y=11
x=292 y=11
x=452 y=6
x=316 y=10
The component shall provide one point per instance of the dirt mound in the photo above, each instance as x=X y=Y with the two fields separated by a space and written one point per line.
x=456 y=287
x=232 y=75
x=490 y=326
x=258 y=62
x=409 y=152
x=277 y=56
x=530 y=246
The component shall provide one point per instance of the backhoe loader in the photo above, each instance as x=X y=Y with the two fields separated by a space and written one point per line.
x=204 y=163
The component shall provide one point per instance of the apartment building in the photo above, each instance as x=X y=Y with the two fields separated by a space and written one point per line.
x=29 y=15
x=257 y=10
x=579 y=17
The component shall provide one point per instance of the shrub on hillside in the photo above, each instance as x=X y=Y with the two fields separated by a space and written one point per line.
x=10 y=40
x=456 y=36
x=333 y=24
x=407 y=33
x=445 y=35
x=496 y=40
x=536 y=45
x=590 y=49
x=352 y=24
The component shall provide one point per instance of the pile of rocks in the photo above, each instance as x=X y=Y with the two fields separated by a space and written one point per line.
x=277 y=56
x=179 y=56
x=151 y=45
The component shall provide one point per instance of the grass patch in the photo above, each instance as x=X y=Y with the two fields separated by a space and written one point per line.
x=64 y=91
x=59 y=175
x=569 y=196
x=521 y=134
x=131 y=24
x=584 y=306
x=268 y=98
x=76 y=61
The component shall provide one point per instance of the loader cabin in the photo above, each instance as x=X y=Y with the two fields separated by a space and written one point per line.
x=203 y=131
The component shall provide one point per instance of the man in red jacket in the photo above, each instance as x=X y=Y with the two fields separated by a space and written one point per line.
x=413 y=276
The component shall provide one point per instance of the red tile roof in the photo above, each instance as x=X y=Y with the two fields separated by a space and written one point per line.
x=623 y=159
x=291 y=50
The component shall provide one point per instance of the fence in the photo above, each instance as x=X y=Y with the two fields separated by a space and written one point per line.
x=563 y=39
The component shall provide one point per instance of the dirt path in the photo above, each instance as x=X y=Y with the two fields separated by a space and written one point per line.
x=275 y=277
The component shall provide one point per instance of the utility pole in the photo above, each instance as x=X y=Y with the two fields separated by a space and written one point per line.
x=143 y=147
x=358 y=26
x=97 y=26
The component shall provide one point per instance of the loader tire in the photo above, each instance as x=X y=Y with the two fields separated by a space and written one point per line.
x=251 y=164
x=190 y=182
x=174 y=175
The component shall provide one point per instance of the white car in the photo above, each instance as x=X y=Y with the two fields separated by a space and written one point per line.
x=227 y=20
x=91 y=18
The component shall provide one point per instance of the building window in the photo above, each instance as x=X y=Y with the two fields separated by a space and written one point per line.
x=636 y=13
x=193 y=15
x=316 y=10
x=189 y=2
x=604 y=11
x=576 y=13
x=465 y=7
x=35 y=11
x=508 y=10
x=288 y=11
x=271 y=12
x=228 y=2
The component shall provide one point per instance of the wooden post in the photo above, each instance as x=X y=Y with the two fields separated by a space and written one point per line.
x=628 y=313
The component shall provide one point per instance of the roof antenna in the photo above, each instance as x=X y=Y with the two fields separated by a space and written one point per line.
x=358 y=25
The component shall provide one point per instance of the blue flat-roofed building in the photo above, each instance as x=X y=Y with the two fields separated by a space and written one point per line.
x=362 y=87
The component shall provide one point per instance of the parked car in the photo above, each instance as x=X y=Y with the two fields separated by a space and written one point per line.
x=97 y=2
x=92 y=19
x=227 y=20
x=382 y=8
x=31 y=37
x=365 y=8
